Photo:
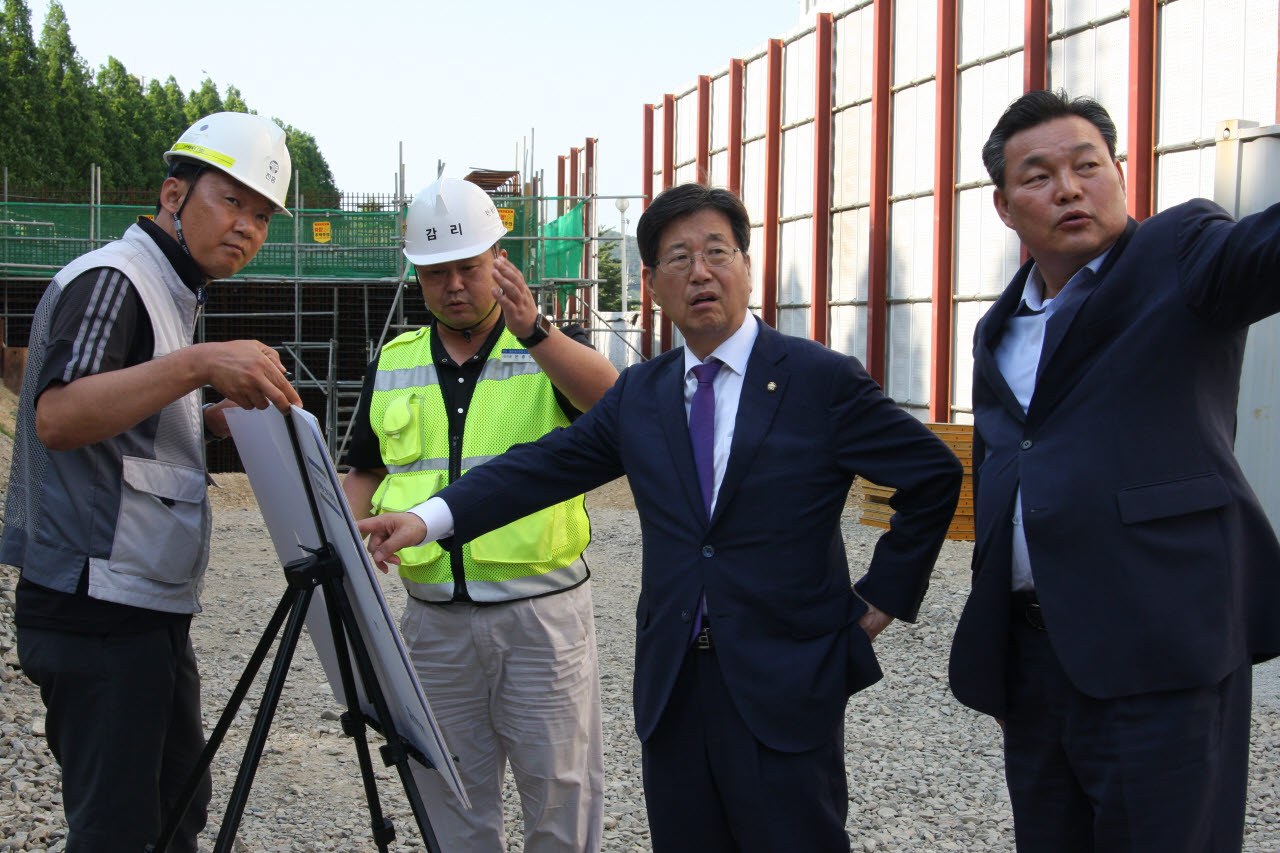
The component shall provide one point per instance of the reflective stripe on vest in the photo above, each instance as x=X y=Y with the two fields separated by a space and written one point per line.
x=512 y=403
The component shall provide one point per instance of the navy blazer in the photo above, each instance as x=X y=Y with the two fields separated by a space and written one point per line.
x=1155 y=565
x=771 y=559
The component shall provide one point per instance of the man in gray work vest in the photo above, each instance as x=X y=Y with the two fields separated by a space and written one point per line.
x=106 y=512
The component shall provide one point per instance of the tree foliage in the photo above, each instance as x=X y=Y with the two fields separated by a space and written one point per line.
x=57 y=116
x=23 y=101
x=312 y=170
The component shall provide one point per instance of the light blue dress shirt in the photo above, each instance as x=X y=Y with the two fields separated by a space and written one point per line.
x=1018 y=357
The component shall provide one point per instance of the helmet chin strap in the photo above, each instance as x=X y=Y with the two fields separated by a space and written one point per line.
x=466 y=332
x=177 y=216
x=201 y=294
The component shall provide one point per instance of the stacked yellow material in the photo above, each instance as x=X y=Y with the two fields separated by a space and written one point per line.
x=876 y=511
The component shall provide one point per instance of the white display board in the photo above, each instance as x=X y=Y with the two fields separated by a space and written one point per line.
x=262 y=438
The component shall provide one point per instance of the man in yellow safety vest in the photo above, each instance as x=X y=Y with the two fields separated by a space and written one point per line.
x=500 y=629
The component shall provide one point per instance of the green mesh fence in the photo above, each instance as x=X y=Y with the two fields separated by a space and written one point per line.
x=330 y=244
x=38 y=239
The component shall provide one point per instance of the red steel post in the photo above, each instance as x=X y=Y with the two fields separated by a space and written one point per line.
x=944 y=202
x=819 y=309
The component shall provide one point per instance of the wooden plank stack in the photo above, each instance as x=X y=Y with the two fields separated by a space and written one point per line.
x=874 y=502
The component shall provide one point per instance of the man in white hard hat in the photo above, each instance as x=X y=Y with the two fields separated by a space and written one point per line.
x=500 y=630
x=106 y=512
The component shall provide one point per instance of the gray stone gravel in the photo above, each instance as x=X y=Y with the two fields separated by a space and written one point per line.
x=925 y=773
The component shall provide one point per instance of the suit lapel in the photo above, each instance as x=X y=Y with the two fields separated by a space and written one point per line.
x=989 y=332
x=1056 y=328
x=763 y=387
x=675 y=428
x=1055 y=358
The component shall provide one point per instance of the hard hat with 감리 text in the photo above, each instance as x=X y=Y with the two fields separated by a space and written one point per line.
x=450 y=219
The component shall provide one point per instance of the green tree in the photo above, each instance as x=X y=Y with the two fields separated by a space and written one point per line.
x=234 y=102
x=73 y=139
x=167 y=107
x=125 y=127
x=205 y=101
x=57 y=116
x=310 y=169
x=609 y=266
x=24 y=110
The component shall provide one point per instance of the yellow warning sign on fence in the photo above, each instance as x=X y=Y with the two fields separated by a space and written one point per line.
x=320 y=232
x=508 y=217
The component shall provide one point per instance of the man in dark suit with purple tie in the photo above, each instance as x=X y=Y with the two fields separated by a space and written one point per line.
x=1125 y=576
x=749 y=636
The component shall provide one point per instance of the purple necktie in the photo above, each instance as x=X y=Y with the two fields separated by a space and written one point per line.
x=702 y=429
x=702 y=435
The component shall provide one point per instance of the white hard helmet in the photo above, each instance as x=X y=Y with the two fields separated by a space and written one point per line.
x=448 y=220
x=249 y=148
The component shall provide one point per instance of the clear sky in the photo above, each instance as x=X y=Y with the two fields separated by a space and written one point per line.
x=465 y=83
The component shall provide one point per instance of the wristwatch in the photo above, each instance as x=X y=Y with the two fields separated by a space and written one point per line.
x=541 y=329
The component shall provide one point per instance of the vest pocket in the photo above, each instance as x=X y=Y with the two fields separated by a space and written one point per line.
x=402 y=426
x=399 y=494
x=160 y=528
x=526 y=540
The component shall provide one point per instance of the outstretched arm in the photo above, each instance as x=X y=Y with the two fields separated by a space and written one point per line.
x=99 y=406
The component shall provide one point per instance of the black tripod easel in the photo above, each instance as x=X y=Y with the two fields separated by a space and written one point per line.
x=321 y=568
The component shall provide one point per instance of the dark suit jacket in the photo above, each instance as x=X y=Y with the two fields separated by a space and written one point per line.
x=1154 y=563
x=772 y=560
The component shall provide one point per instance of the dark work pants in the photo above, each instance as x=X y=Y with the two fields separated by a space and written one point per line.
x=1160 y=772
x=711 y=787
x=124 y=724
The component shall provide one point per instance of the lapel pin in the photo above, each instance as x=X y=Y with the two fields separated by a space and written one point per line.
x=772 y=386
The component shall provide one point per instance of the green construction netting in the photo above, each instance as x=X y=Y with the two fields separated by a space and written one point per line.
x=36 y=240
x=563 y=245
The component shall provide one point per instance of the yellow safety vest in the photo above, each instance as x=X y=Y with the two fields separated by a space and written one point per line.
x=513 y=403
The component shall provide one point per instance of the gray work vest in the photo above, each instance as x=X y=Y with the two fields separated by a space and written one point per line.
x=134 y=506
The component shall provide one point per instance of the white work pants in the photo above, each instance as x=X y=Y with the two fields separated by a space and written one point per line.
x=517 y=681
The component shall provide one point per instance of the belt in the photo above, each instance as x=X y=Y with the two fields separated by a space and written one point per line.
x=1026 y=605
x=703 y=640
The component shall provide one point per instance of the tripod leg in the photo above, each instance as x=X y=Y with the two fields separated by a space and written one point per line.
x=415 y=796
x=394 y=751
x=353 y=721
x=262 y=724
x=219 y=732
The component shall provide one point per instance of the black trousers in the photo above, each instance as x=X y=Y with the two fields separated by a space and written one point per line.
x=711 y=787
x=1160 y=772
x=124 y=723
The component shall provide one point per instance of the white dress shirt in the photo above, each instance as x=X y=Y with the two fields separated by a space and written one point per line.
x=1018 y=357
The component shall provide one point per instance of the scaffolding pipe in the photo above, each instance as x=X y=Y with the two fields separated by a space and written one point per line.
x=297 y=270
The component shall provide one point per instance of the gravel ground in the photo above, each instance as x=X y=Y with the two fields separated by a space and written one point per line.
x=925 y=773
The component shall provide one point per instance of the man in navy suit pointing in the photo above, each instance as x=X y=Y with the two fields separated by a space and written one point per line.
x=1125 y=576
x=740 y=448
